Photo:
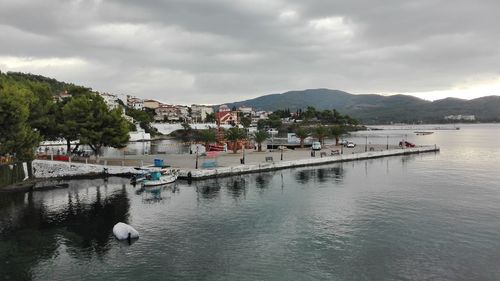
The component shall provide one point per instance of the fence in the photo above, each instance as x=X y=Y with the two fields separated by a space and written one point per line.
x=14 y=172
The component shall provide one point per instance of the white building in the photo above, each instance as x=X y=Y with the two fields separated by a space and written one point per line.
x=460 y=117
x=167 y=112
x=246 y=110
x=110 y=100
x=224 y=108
x=135 y=103
x=200 y=112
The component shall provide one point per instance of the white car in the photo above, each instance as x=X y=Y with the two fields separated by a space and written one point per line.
x=316 y=145
x=350 y=145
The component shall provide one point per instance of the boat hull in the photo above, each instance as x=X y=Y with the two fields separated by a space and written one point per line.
x=162 y=181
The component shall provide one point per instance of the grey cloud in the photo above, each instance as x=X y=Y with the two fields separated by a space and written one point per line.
x=217 y=51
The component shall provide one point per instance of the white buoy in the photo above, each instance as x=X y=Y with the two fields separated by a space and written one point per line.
x=122 y=230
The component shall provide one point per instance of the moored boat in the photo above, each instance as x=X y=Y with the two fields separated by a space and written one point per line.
x=423 y=133
x=156 y=178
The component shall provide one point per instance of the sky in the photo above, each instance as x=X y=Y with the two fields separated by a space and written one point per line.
x=203 y=51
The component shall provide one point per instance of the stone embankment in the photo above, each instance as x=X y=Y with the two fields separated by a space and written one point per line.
x=43 y=169
x=53 y=169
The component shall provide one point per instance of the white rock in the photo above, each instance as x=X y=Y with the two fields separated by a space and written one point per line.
x=121 y=231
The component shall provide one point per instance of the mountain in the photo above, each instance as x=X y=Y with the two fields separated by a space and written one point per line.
x=372 y=109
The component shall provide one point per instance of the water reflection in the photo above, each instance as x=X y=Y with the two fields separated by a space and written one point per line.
x=322 y=175
x=33 y=229
x=237 y=186
x=153 y=194
x=263 y=180
x=208 y=189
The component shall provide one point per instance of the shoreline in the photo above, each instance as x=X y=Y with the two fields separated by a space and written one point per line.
x=46 y=169
x=201 y=174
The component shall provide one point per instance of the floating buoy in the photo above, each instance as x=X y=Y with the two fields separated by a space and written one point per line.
x=123 y=231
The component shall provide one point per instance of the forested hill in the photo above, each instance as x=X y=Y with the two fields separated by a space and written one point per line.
x=379 y=109
x=55 y=86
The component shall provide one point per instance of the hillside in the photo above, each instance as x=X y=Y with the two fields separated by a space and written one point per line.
x=55 y=85
x=380 y=109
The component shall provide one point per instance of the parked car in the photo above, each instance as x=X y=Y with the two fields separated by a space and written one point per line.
x=316 y=145
x=350 y=145
x=343 y=142
x=406 y=144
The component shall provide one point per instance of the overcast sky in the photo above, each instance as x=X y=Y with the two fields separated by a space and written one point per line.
x=202 y=51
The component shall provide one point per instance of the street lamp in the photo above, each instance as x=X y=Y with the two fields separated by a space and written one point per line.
x=366 y=144
x=196 y=167
x=272 y=140
x=243 y=159
x=387 y=147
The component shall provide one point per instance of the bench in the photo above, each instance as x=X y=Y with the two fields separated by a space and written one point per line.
x=209 y=164
x=269 y=159
x=335 y=152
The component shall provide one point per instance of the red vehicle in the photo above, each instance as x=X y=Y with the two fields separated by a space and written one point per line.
x=406 y=144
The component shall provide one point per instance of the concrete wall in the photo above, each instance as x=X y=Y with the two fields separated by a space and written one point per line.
x=56 y=169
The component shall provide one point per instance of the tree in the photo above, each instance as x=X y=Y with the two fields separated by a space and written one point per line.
x=234 y=135
x=245 y=121
x=337 y=131
x=302 y=134
x=43 y=111
x=74 y=115
x=210 y=118
x=260 y=136
x=310 y=112
x=321 y=132
x=108 y=128
x=16 y=136
x=144 y=117
x=207 y=137
x=86 y=117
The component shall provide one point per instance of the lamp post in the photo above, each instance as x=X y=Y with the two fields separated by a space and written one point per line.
x=272 y=141
x=281 y=153
x=243 y=159
x=387 y=147
x=196 y=167
x=366 y=143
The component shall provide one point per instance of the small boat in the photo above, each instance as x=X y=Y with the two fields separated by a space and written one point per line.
x=158 y=179
x=139 y=177
x=423 y=133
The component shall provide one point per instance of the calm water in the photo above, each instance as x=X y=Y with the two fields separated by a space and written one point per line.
x=421 y=217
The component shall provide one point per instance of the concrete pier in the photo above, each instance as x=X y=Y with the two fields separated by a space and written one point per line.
x=226 y=164
x=198 y=174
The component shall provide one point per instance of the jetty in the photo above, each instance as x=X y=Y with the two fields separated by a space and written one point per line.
x=193 y=167
x=198 y=174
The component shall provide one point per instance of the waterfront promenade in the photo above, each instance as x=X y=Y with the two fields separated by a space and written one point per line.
x=225 y=163
x=228 y=159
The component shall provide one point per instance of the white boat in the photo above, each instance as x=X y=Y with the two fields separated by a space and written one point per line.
x=163 y=180
x=423 y=133
x=158 y=179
